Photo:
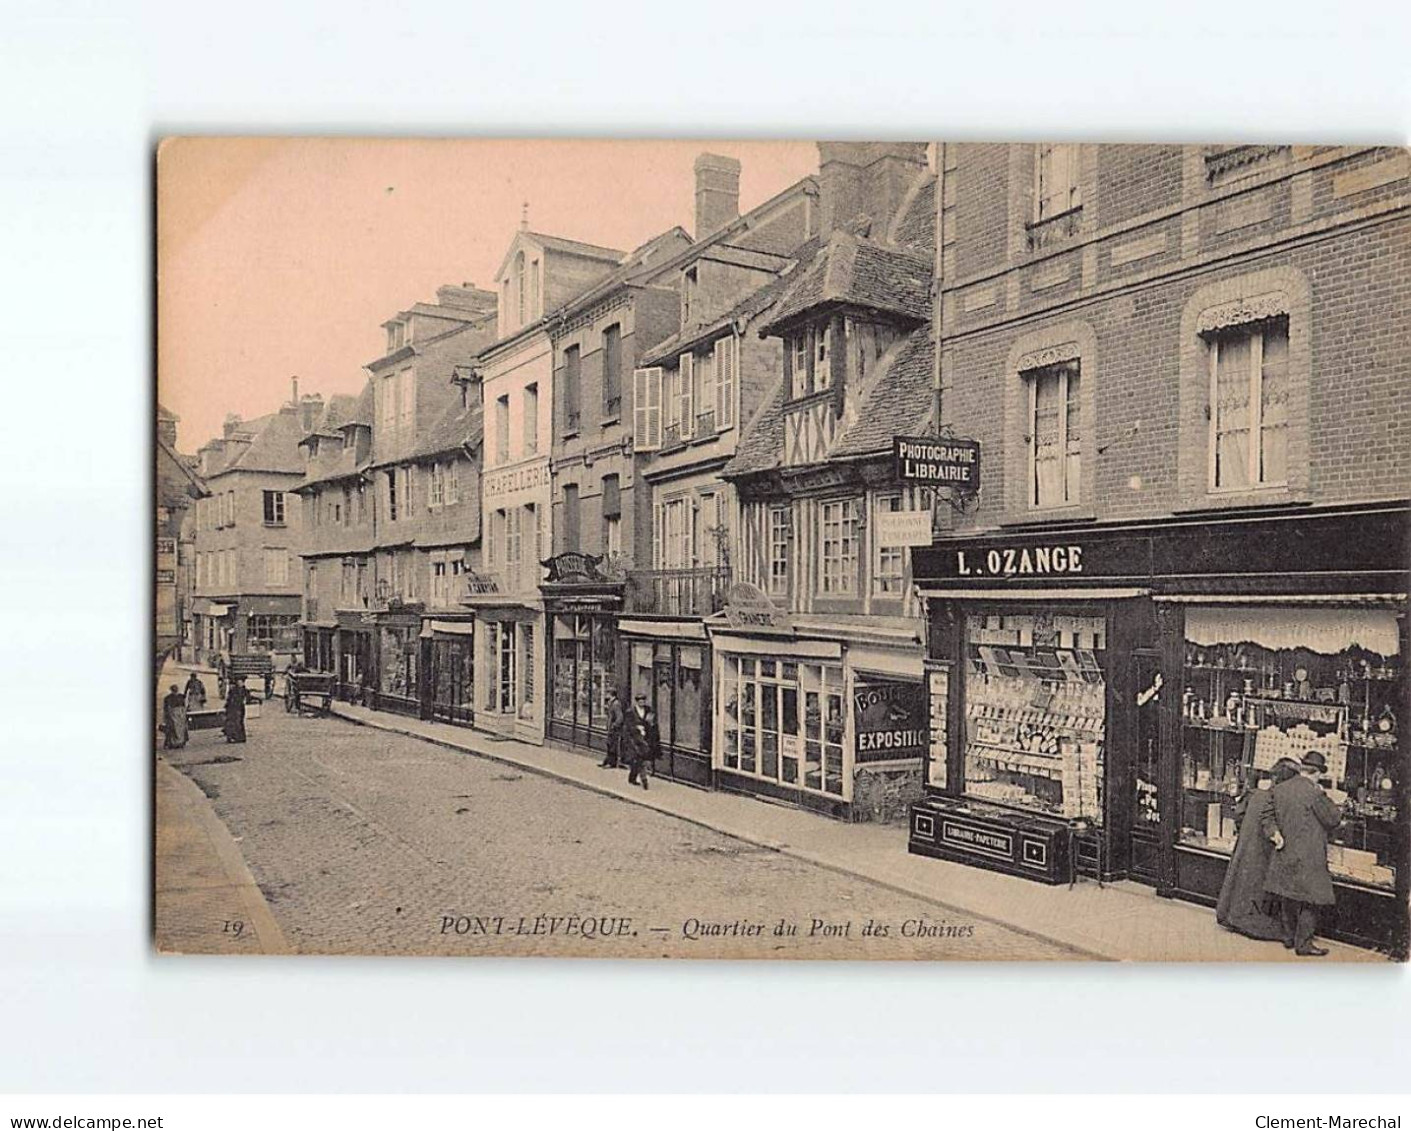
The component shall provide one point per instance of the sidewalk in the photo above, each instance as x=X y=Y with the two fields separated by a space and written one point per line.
x=206 y=899
x=1123 y=921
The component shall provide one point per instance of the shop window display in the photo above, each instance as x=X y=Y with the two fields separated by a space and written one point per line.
x=398 y=662
x=1035 y=712
x=1264 y=684
x=784 y=722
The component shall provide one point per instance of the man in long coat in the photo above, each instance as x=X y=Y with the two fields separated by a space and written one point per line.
x=641 y=742
x=615 y=719
x=1298 y=822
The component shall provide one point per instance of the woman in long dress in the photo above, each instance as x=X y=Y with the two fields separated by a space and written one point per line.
x=235 y=711
x=195 y=693
x=174 y=729
x=1243 y=905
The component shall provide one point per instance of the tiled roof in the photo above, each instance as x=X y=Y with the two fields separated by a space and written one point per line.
x=853 y=271
x=762 y=443
x=273 y=445
x=331 y=465
x=900 y=400
x=747 y=308
x=363 y=409
x=335 y=414
x=457 y=426
x=915 y=225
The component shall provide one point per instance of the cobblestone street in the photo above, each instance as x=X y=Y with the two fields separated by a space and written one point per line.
x=365 y=842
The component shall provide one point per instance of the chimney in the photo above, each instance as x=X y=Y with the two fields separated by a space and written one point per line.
x=717 y=193
x=865 y=178
x=232 y=422
x=310 y=410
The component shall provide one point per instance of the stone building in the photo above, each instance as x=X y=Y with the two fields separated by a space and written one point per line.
x=245 y=545
x=1187 y=370
x=178 y=489
x=420 y=498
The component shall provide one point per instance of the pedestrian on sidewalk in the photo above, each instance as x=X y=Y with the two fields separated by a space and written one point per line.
x=1244 y=905
x=174 y=728
x=235 y=711
x=1298 y=822
x=195 y=693
x=641 y=741
x=615 y=720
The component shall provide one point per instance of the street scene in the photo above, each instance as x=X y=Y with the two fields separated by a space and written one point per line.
x=838 y=550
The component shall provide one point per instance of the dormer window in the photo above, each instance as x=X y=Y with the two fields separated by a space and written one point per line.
x=396 y=336
x=810 y=361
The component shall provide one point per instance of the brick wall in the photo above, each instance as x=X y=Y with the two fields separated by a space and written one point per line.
x=1134 y=179
x=1358 y=419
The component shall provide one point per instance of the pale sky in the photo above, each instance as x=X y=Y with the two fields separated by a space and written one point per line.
x=282 y=257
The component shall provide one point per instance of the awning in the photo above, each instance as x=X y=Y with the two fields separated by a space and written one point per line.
x=1071 y=593
x=208 y=608
x=779 y=649
x=663 y=629
x=453 y=627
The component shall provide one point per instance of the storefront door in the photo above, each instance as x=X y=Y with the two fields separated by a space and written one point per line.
x=453 y=678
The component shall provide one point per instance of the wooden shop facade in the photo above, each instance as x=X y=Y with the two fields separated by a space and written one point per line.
x=1101 y=694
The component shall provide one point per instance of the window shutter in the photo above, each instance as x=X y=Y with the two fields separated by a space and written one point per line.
x=658 y=535
x=646 y=408
x=688 y=381
x=725 y=358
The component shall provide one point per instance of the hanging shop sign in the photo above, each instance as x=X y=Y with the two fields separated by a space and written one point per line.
x=889 y=718
x=574 y=568
x=933 y=461
x=749 y=607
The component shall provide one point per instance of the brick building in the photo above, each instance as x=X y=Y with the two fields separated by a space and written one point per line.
x=599 y=515
x=1187 y=369
x=818 y=653
x=246 y=592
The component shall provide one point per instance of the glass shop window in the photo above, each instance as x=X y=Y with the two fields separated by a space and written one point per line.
x=1268 y=683
x=1035 y=712
x=783 y=721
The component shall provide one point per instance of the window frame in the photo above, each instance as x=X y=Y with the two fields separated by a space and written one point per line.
x=1255 y=333
x=844 y=581
x=1070 y=404
x=275 y=508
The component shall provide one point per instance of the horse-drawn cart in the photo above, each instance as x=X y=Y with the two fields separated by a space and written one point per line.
x=308 y=690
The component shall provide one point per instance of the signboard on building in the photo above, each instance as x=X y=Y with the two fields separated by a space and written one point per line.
x=749 y=607
x=889 y=719
x=574 y=567
x=935 y=461
x=904 y=528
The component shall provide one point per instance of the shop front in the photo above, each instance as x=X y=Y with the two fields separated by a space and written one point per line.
x=827 y=713
x=507 y=658
x=319 y=649
x=581 y=608
x=1100 y=698
x=213 y=629
x=448 y=659
x=397 y=647
x=669 y=663
x=353 y=656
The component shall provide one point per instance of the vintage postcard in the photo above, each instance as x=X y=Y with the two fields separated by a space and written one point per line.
x=837 y=550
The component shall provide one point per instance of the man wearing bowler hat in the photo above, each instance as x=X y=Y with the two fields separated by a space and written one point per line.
x=1298 y=822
